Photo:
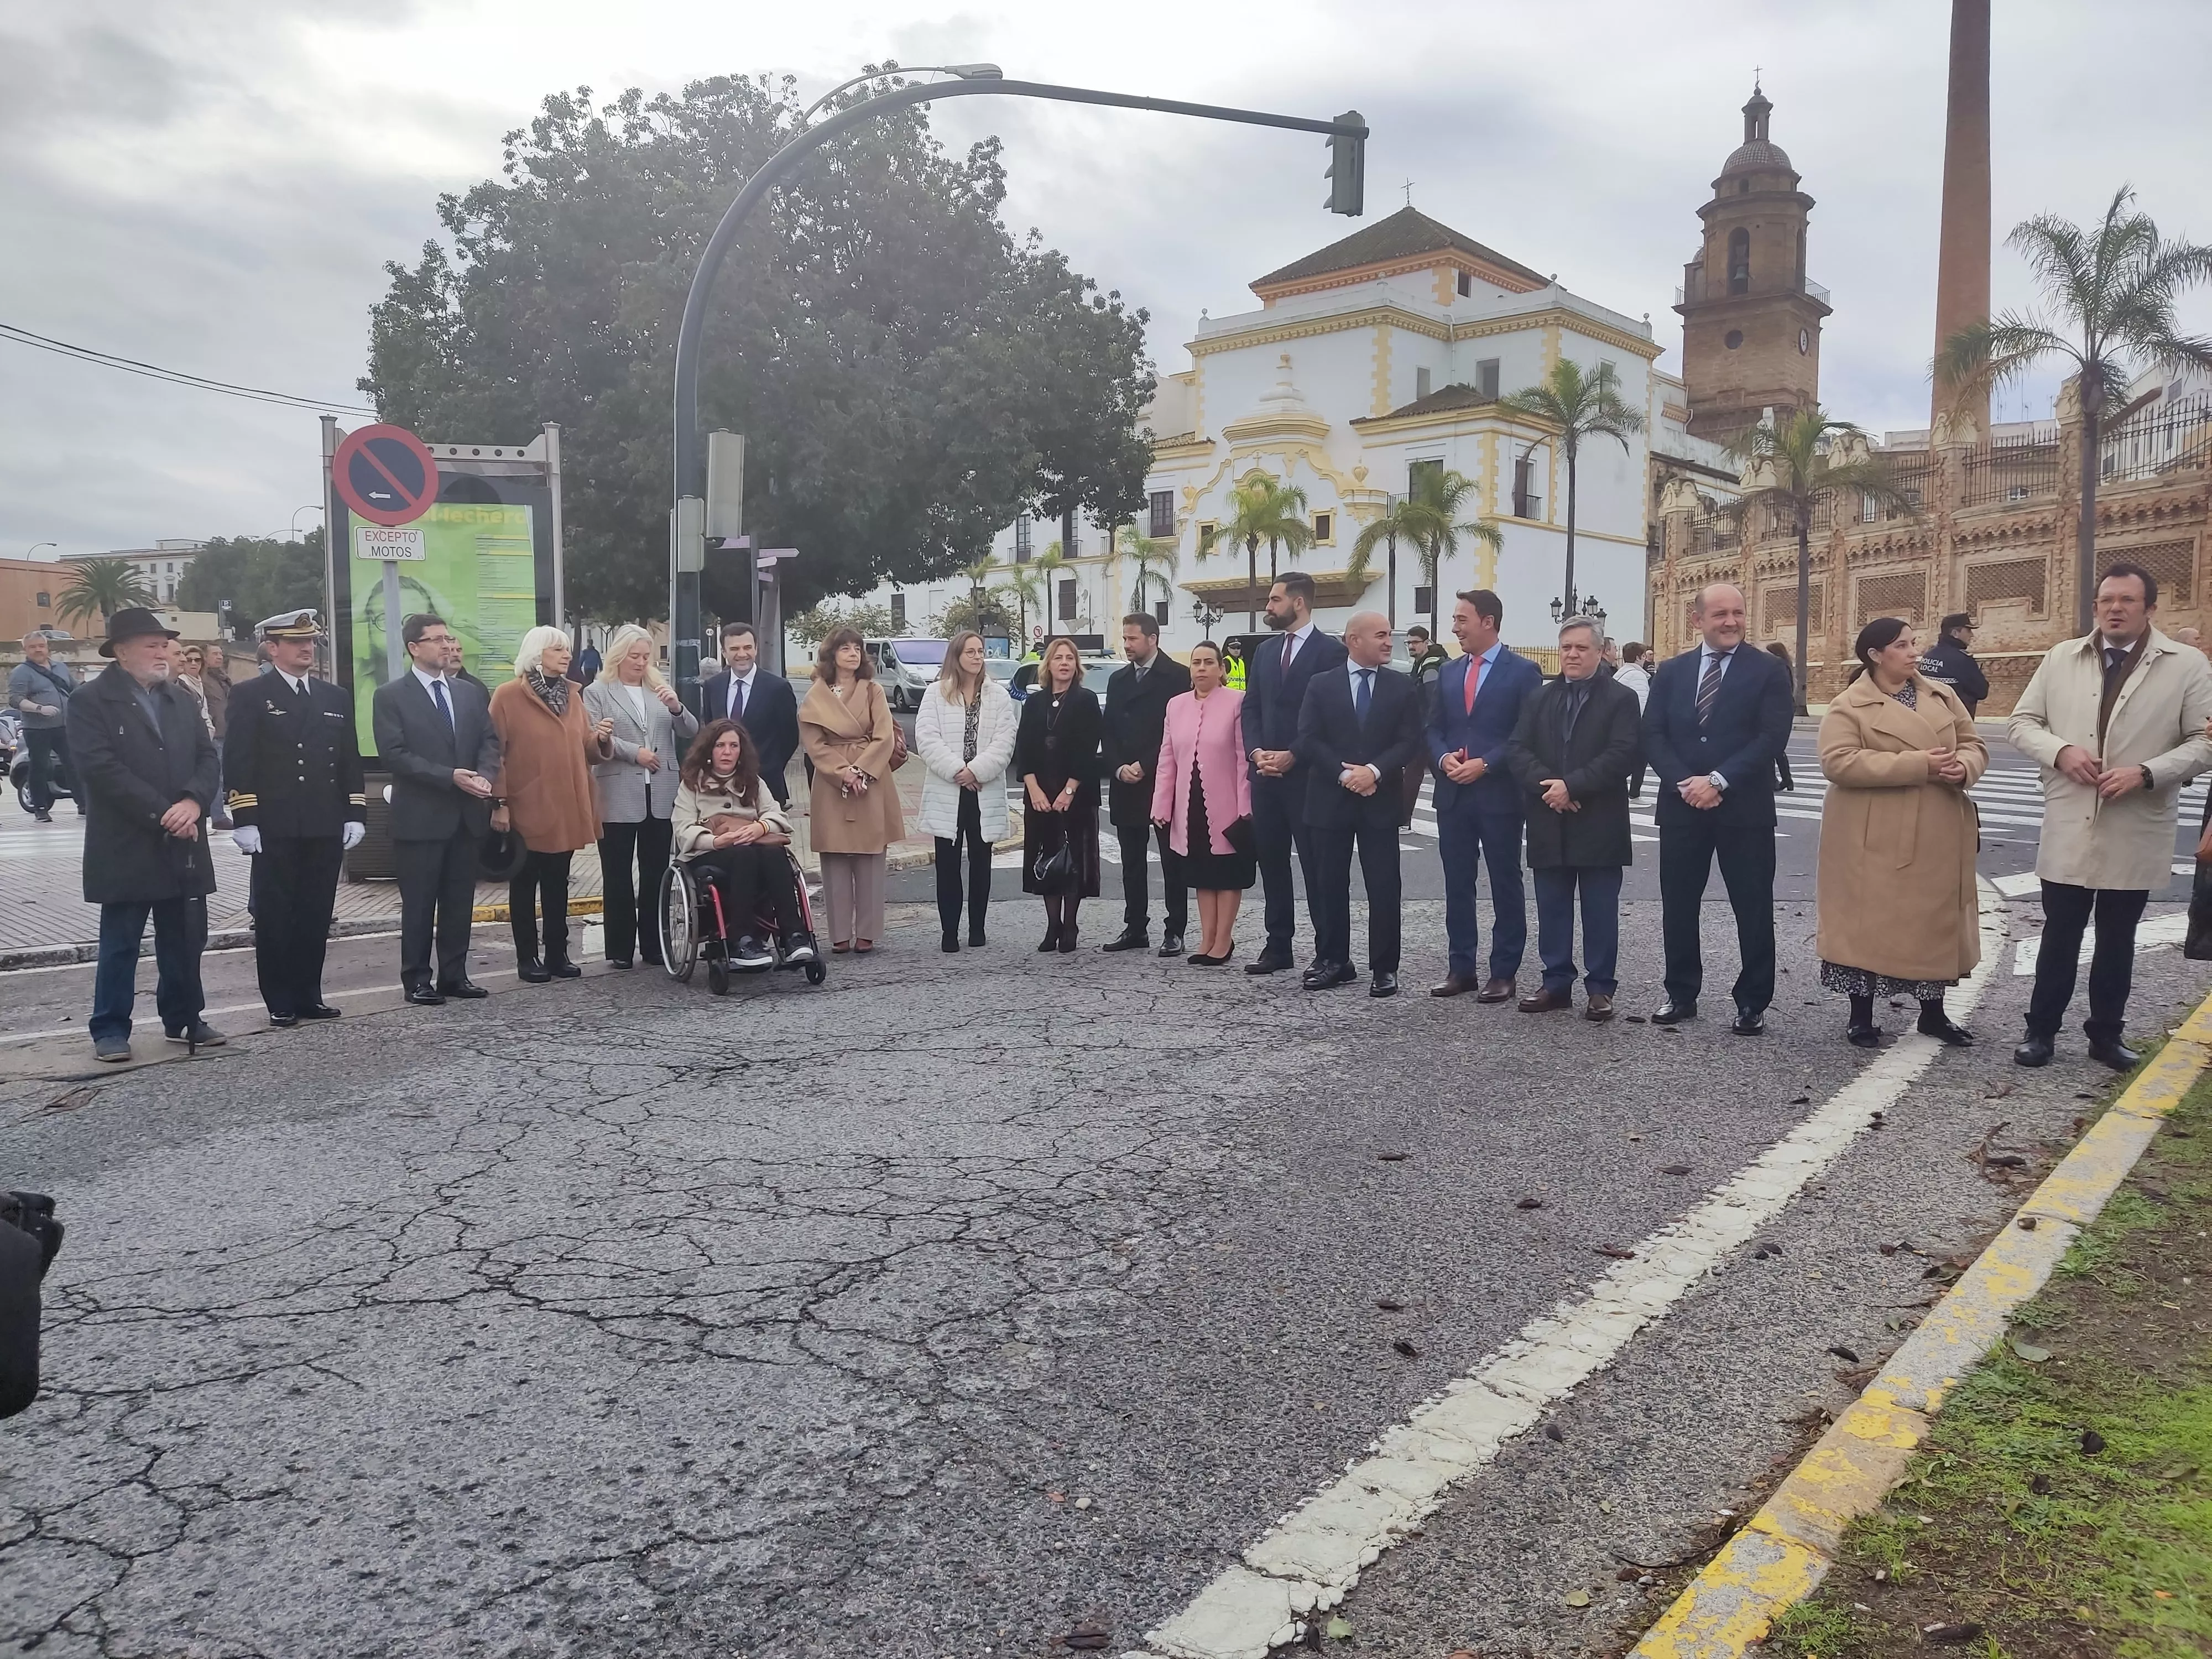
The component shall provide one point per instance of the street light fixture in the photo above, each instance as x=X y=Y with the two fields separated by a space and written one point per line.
x=965 y=71
x=1205 y=616
x=312 y=506
x=35 y=546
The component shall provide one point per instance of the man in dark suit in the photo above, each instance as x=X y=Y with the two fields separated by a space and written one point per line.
x=1136 y=713
x=1479 y=699
x=1718 y=719
x=1359 y=730
x=434 y=735
x=1275 y=684
x=1576 y=742
x=296 y=806
x=761 y=702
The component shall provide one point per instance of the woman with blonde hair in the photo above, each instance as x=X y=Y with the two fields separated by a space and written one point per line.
x=964 y=732
x=637 y=788
x=853 y=812
x=543 y=792
x=1056 y=757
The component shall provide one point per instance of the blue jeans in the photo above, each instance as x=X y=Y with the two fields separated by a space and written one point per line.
x=1466 y=841
x=1555 y=926
x=180 y=930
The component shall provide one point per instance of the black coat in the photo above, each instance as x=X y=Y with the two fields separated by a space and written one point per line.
x=1136 y=718
x=1950 y=662
x=1055 y=751
x=423 y=753
x=1331 y=737
x=1272 y=701
x=771 y=721
x=127 y=776
x=1594 y=763
x=293 y=770
x=1748 y=728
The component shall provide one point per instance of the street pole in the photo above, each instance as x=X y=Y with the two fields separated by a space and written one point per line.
x=689 y=445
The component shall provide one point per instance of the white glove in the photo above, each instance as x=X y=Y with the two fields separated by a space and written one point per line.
x=247 y=838
x=354 y=830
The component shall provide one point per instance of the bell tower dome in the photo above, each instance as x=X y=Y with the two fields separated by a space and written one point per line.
x=1751 y=321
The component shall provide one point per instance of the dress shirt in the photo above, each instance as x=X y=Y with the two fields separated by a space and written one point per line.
x=1293 y=642
x=1705 y=655
x=741 y=691
x=299 y=684
x=1354 y=669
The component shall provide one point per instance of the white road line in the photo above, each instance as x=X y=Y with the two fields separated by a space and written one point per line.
x=1315 y=1555
x=2018 y=887
x=2157 y=932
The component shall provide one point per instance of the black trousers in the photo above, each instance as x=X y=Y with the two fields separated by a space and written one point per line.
x=437 y=885
x=2066 y=913
x=752 y=880
x=1137 y=841
x=1746 y=852
x=968 y=829
x=631 y=916
x=48 y=748
x=1279 y=824
x=1377 y=837
x=299 y=887
x=540 y=891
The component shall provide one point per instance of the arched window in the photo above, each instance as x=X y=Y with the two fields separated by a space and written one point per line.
x=1739 y=261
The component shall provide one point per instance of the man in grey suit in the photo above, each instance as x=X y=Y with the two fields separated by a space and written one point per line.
x=434 y=735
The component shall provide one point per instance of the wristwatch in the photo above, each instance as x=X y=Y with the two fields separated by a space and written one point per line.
x=1717 y=782
x=2147 y=784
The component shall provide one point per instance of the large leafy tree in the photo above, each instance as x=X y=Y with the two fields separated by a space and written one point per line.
x=102 y=587
x=259 y=575
x=2110 y=294
x=1427 y=518
x=1262 y=508
x=1580 y=406
x=910 y=376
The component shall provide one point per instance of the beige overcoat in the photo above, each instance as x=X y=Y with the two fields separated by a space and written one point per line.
x=2157 y=720
x=545 y=769
x=854 y=730
x=1897 y=893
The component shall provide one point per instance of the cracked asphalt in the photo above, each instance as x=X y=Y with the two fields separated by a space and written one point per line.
x=929 y=1313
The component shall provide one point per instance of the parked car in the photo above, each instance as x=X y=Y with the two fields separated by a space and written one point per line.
x=1018 y=678
x=906 y=667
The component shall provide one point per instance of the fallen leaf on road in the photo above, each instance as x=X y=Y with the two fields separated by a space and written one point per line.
x=1635 y=1019
x=1579 y=1598
x=1090 y=1634
x=1615 y=1252
x=1996 y=1090
x=1674 y=1169
x=1949 y=1635
x=1843 y=1352
x=1529 y=1204
x=1392 y=1158
x=1553 y=1432
x=1388 y=1306
x=1625 y=1575
x=2029 y=1352
x=1339 y=1629
x=1406 y=1348
x=1801 y=1100
x=1055 y=1498
x=69 y=1099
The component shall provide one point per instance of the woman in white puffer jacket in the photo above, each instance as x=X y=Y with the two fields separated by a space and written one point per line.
x=964 y=734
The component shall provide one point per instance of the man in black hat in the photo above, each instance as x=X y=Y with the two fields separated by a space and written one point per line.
x=296 y=800
x=146 y=775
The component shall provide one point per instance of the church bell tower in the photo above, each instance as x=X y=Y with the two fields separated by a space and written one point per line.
x=1751 y=321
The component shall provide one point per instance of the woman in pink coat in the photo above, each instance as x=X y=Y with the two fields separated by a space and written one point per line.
x=1202 y=797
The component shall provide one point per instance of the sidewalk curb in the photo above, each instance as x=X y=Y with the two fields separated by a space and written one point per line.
x=238 y=938
x=1785 y=1551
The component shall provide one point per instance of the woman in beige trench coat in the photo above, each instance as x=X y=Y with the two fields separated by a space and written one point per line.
x=852 y=814
x=1898 y=913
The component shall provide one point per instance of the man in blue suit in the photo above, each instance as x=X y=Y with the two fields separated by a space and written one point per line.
x=1478 y=801
x=1274 y=691
x=1717 y=719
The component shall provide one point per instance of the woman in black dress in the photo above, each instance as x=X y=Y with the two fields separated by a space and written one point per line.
x=1056 y=757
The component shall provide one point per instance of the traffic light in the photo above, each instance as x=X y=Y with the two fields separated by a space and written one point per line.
x=1347 y=169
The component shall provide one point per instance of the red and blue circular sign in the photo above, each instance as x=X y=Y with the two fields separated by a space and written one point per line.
x=385 y=474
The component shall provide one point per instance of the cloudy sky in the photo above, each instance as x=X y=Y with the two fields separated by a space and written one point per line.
x=214 y=184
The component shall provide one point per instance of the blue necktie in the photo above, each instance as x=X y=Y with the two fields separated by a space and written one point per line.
x=1359 y=696
x=438 y=690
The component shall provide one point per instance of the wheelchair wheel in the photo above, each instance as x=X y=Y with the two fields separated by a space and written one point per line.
x=679 y=923
x=718 y=976
x=816 y=973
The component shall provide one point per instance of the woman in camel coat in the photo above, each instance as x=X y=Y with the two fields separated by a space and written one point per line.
x=547 y=746
x=1898 y=906
x=852 y=814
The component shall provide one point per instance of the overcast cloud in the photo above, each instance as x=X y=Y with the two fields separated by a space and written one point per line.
x=214 y=184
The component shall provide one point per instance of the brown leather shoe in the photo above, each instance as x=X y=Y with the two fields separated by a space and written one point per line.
x=1454 y=986
x=1598 y=1008
x=1496 y=990
x=1543 y=1002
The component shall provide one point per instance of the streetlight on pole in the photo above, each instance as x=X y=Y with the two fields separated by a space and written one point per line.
x=1347 y=142
x=35 y=546
x=1205 y=616
x=312 y=506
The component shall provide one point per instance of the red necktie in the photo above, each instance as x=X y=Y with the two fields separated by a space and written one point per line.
x=1473 y=675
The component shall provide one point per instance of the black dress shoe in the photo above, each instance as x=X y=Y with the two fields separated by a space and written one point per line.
x=1939 y=1026
x=1749 y=1022
x=1199 y=959
x=1673 y=1013
x=2111 y=1051
x=1268 y=961
x=1863 y=1036
x=949 y=943
x=283 y=1022
x=423 y=997
x=564 y=969
x=1133 y=939
x=2033 y=1051
x=1385 y=985
x=316 y=1011
x=618 y=961
x=974 y=939
x=1323 y=975
x=1171 y=945
x=466 y=989
x=1051 y=938
x=531 y=971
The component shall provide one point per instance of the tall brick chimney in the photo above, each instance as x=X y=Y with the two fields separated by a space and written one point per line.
x=1962 y=270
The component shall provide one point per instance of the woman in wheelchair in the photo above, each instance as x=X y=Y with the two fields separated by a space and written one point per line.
x=728 y=829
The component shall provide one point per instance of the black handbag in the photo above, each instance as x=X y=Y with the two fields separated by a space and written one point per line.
x=499 y=855
x=29 y=1238
x=2199 y=946
x=1054 y=870
x=1240 y=836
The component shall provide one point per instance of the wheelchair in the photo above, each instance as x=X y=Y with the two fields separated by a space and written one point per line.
x=693 y=927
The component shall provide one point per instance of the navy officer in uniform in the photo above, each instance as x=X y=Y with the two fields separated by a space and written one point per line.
x=293 y=766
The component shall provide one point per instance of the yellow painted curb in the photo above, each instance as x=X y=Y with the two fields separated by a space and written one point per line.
x=577 y=906
x=1783 y=1552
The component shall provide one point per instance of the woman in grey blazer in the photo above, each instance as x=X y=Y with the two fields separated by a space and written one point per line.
x=637 y=789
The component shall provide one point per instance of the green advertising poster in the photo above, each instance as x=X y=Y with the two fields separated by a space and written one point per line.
x=477 y=570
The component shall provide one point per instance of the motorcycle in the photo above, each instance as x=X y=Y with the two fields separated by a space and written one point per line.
x=15 y=756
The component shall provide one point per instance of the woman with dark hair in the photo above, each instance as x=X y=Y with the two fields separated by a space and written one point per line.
x=1783 y=780
x=1056 y=757
x=730 y=831
x=852 y=812
x=1898 y=906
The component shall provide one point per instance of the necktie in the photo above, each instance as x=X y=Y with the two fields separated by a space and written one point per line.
x=1360 y=693
x=1290 y=650
x=1709 y=686
x=736 y=698
x=1473 y=677
x=299 y=691
x=438 y=692
x=2113 y=658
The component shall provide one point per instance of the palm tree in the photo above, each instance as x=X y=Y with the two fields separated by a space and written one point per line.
x=1154 y=560
x=1796 y=465
x=1261 y=510
x=102 y=587
x=2114 y=289
x=1428 y=518
x=1030 y=586
x=1580 y=406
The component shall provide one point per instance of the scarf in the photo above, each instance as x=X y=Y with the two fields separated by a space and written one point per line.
x=554 y=694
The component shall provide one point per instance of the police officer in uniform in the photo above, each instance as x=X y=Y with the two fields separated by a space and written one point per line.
x=293 y=765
